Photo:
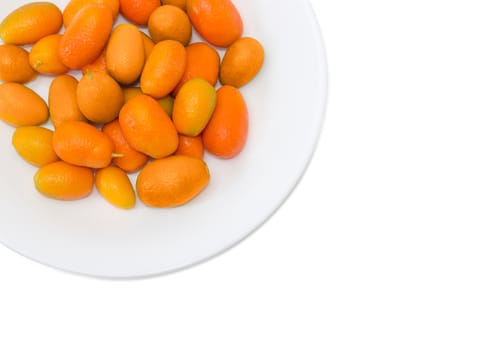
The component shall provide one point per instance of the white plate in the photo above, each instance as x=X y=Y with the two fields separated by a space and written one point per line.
x=286 y=105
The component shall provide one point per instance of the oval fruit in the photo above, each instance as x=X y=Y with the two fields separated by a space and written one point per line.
x=170 y=23
x=190 y=146
x=73 y=7
x=226 y=133
x=193 y=106
x=64 y=181
x=164 y=68
x=125 y=55
x=114 y=185
x=130 y=160
x=62 y=101
x=147 y=128
x=99 y=97
x=202 y=61
x=44 y=56
x=241 y=62
x=138 y=11
x=217 y=21
x=31 y=22
x=14 y=65
x=34 y=144
x=82 y=144
x=21 y=106
x=86 y=36
x=172 y=181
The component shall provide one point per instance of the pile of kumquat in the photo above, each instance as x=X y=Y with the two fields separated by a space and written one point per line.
x=148 y=100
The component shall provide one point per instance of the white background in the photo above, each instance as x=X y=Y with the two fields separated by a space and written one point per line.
x=389 y=241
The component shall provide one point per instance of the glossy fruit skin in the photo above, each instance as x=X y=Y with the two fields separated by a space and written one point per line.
x=190 y=146
x=14 y=65
x=172 y=181
x=85 y=38
x=63 y=181
x=217 y=21
x=31 y=22
x=62 y=101
x=226 y=134
x=125 y=55
x=21 y=106
x=202 y=61
x=44 y=56
x=73 y=7
x=138 y=11
x=130 y=160
x=114 y=185
x=169 y=22
x=34 y=145
x=99 y=97
x=241 y=62
x=82 y=144
x=164 y=68
x=147 y=128
x=194 y=106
